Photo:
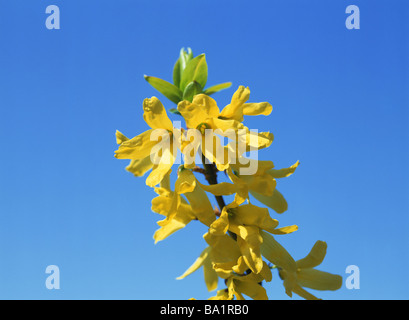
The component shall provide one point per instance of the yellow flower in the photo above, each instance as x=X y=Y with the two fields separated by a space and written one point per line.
x=246 y=221
x=205 y=122
x=248 y=285
x=153 y=149
x=300 y=273
x=221 y=249
x=268 y=196
x=210 y=276
x=238 y=106
x=222 y=258
x=261 y=185
x=241 y=186
x=177 y=211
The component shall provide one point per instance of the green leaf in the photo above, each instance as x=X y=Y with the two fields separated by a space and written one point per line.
x=192 y=89
x=217 y=88
x=196 y=70
x=175 y=111
x=169 y=90
x=180 y=65
x=176 y=73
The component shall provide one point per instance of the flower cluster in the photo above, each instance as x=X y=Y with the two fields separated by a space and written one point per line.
x=241 y=237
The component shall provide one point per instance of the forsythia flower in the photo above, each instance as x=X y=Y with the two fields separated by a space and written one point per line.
x=143 y=149
x=307 y=276
x=177 y=210
x=203 y=115
x=240 y=243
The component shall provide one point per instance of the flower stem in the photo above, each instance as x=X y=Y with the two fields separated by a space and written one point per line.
x=211 y=177
x=210 y=173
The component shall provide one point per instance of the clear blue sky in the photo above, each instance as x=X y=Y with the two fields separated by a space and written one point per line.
x=340 y=100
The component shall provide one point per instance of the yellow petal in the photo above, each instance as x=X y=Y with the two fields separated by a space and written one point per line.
x=171 y=227
x=120 y=137
x=155 y=114
x=221 y=295
x=140 y=166
x=241 y=266
x=283 y=173
x=284 y=230
x=165 y=183
x=290 y=280
x=262 y=165
x=190 y=146
x=210 y=275
x=193 y=114
x=266 y=272
x=234 y=110
x=226 y=127
x=232 y=290
x=251 y=215
x=161 y=205
x=207 y=103
x=186 y=181
x=197 y=264
x=219 y=189
x=160 y=170
x=251 y=289
x=315 y=257
x=276 y=202
x=201 y=206
x=242 y=192
x=303 y=293
x=226 y=268
x=138 y=147
x=276 y=254
x=213 y=150
x=221 y=225
x=261 y=184
x=249 y=240
x=255 y=109
x=318 y=280
x=224 y=248
x=258 y=140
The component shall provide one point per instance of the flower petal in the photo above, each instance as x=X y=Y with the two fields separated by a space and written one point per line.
x=283 y=173
x=186 y=181
x=224 y=248
x=197 y=264
x=170 y=227
x=140 y=166
x=284 y=230
x=193 y=114
x=251 y=289
x=210 y=276
x=276 y=202
x=251 y=215
x=255 y=109
x=160 y=170
x=120 y=137
x=276 y=254
x=234 y=110
x=315 y=257
x=318 y=280
x=201 y=206
x=303 y=293
x=138 y=147
x=155 y=114
x=207 y=103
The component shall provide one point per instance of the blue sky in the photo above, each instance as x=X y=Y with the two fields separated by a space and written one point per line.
x=340 y=106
